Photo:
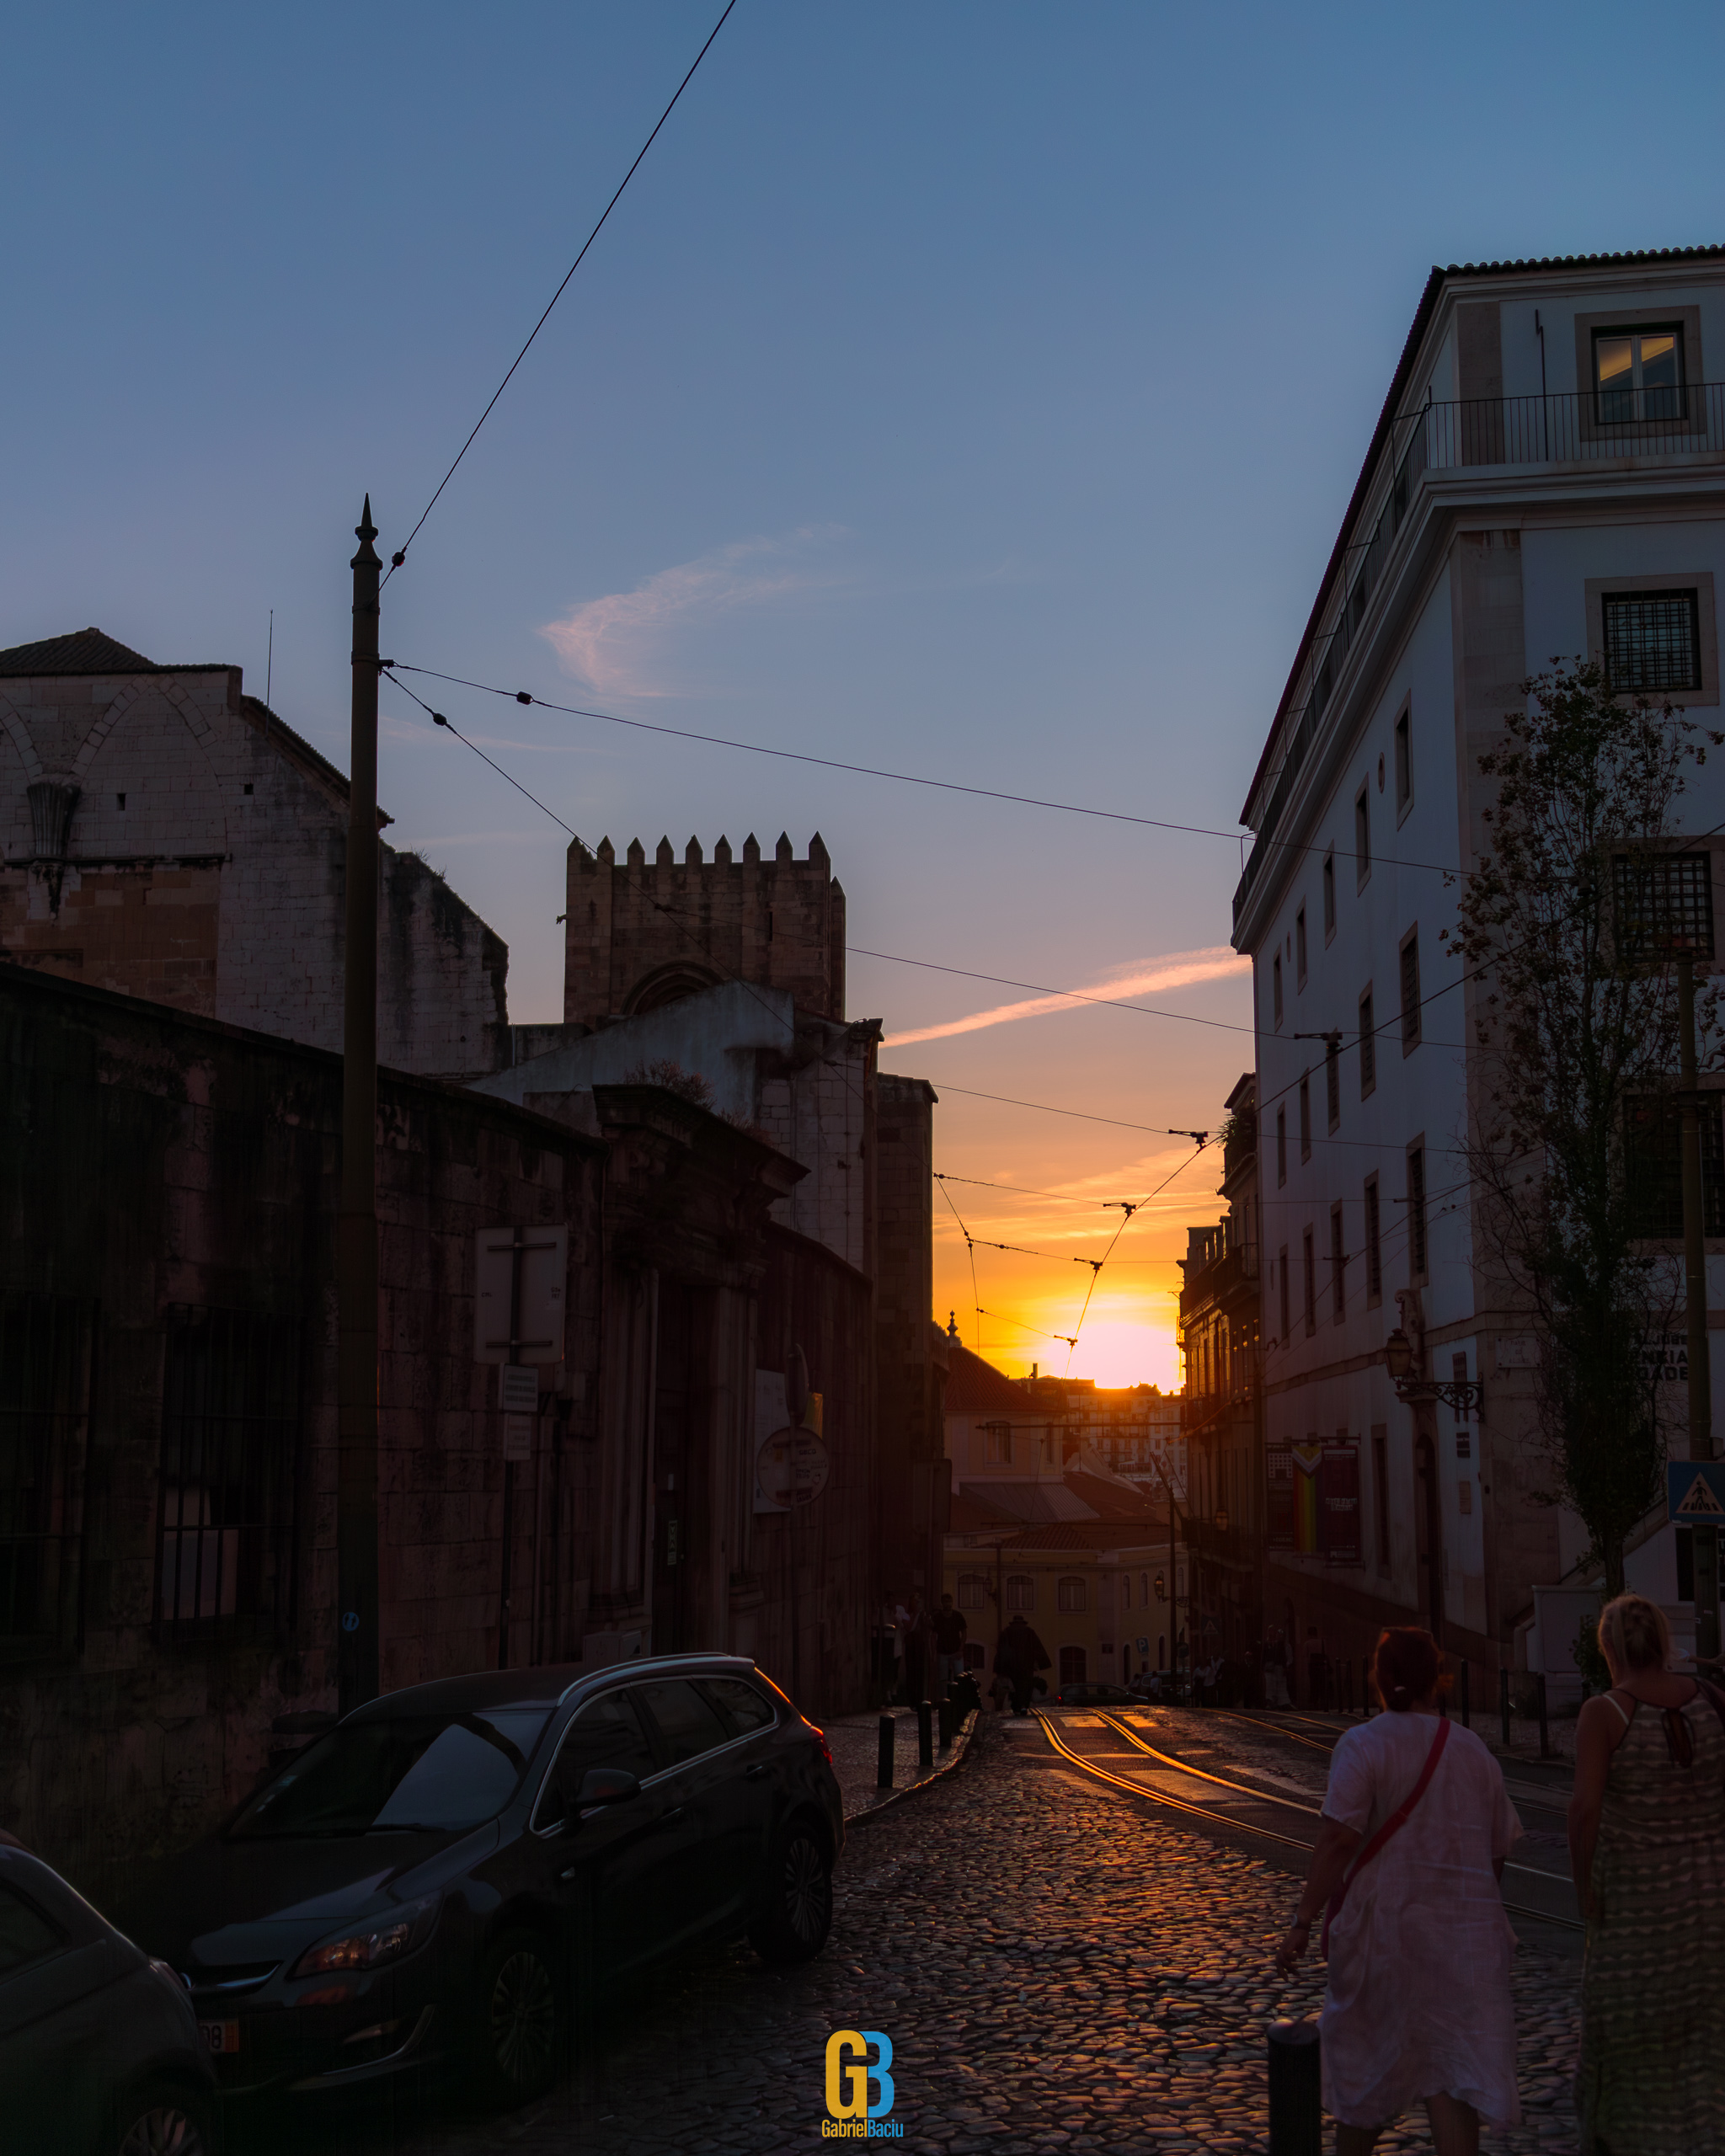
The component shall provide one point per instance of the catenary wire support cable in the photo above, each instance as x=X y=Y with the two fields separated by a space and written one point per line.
x=401 y=554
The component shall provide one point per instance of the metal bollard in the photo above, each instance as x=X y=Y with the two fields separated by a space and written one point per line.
x=1466 y=1698
x=1544 y=1740
x=1296 y=2107
x=924 y=1735
x=945 y=1711
x=1503 y=1703
x=884 y=1757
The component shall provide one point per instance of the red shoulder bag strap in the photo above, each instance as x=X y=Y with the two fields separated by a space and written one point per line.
x=1393 y=1825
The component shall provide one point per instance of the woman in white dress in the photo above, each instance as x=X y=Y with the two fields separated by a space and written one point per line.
x=1417 y=1825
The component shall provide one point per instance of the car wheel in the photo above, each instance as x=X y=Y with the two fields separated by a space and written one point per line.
x=798 y=1915
x=519 y=2018
x=164 y=2121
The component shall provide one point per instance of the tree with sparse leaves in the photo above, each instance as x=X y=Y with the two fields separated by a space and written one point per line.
x=1567 y=921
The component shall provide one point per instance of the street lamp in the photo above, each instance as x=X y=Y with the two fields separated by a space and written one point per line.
x=1466 y=1395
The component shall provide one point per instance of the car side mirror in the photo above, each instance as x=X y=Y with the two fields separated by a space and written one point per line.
x=605 y=1785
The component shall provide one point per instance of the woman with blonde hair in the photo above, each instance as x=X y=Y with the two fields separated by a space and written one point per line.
x=1417 y=1824
x=1647 y=1840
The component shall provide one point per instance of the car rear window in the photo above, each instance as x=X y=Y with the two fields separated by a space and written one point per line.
x=439 y=1772
x=26 y=1935
x=743 y=1706
x=689 y=1724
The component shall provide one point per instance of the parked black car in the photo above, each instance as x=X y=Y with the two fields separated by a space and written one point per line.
x=99 y=2049
x=438 y=1879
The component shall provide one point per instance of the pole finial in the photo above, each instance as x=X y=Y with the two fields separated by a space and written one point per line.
x=365 y=529
x=365 y=532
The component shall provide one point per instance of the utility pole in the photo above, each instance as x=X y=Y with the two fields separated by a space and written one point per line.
x=357 y=1227
x=1694 y=1276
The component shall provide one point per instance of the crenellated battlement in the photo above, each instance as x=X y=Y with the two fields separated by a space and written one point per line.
x=640 y=934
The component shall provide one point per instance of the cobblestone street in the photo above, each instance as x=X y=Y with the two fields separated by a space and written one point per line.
x=1057 y=1967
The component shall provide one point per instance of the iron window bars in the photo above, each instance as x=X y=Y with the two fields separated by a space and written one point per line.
x=228 y=1517
x=1664 y=902
x=1652 y=640
x=1652 y=1131
x=45 y=1357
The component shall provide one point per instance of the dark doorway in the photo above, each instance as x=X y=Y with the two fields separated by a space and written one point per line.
x=1428 y=1536
x=672 y=1496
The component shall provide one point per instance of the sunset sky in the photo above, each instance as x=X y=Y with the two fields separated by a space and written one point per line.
x=972 y=391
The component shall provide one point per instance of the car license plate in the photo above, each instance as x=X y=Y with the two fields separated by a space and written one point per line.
x=221 y=2037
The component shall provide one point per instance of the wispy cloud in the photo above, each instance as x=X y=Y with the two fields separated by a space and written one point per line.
x=1175 y=969
x=616 y=643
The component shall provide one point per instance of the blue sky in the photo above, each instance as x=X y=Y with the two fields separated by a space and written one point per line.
x=971 y=389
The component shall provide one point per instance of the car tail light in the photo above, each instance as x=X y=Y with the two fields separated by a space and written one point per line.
x=823 y=1750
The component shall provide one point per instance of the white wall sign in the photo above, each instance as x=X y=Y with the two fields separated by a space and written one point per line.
x=791 y=1466
x=544 y=1258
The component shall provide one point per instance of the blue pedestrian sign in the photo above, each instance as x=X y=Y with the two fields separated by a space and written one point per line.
x=1695 y=1491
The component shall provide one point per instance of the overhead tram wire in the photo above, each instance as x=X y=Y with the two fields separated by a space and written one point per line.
x=400 y=556
x=899 y=778
x=975 y=1292
x=1137 y=1207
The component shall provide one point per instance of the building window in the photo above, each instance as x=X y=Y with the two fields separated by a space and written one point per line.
x=1306 y=1116
x=1404 y=762
x=998 y=1438
x=972 y=1590
x=1380 y=1491
x=230 y=1442
x=1362 y=836
x=1333 y=1080
x=1665 y=903
x=1653 y=1167
x=1652 y=640
x=1410 y=991
x=1276 y=987
x=44 y=1380
x=1374 y=1244
x=1070 y=1593
x=1072 y=1666
x=1300 y=948
x=1638 y=374
x=1125 y=1590
x=1282 y=1281
x=1368 y=1047
x=1281 y=1146
x=1416 y=1212
x=1338 y=1265
x=1021 y=1591
x=1310 y=1285
x=1329 y=895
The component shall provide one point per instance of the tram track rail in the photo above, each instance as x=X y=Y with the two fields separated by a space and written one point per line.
x=1234 y=1823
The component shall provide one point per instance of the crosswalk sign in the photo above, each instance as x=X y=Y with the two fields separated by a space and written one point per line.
x=1695 y=1491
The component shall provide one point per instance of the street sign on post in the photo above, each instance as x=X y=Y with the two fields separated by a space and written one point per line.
x=1695 y=1491
x=519 y=1320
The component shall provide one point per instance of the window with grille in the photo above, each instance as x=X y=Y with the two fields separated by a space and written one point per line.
x=1653 y=639
x=44 y=1384
x=1021 y=1591
x=1416 y=1211
x=1306 y=1118
x=1071 y=1594
x=1338 y=1264
x=1374 y=1243
x=1653 y=1167
x=1368 y=1047
x=1665 y=902
x=972 y=1590
x=228 y=1514
x=1410 y=991
x=1332 y=1081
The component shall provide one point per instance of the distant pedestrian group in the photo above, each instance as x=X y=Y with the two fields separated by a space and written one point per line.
x=1415 y=1830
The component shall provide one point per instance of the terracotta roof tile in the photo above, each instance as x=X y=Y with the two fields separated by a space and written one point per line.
x=85 y=651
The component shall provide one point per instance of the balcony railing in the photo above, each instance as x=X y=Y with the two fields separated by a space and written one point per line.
x=1583 y=427
x=1237 y=1264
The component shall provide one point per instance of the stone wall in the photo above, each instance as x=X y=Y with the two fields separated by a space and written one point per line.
x=638 y=936
x=166 y=836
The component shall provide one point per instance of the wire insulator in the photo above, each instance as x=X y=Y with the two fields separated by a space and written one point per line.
x=522 y=697
x=438 y=719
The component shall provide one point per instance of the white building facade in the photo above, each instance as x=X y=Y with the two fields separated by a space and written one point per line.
x=1547 y=477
